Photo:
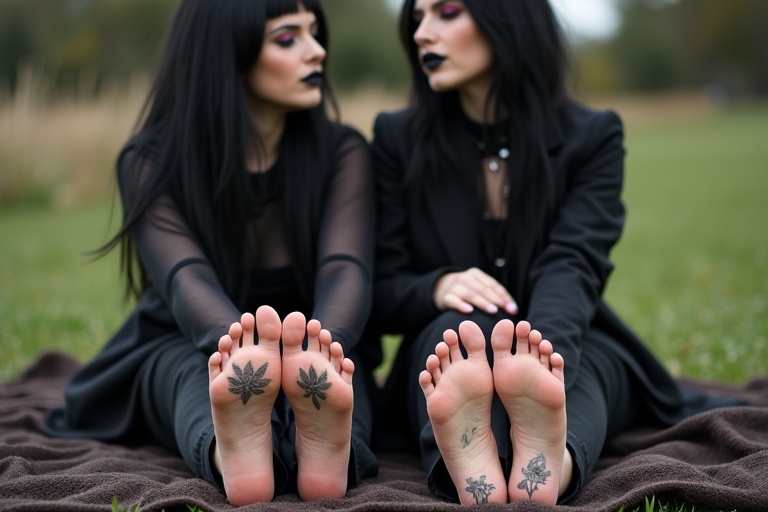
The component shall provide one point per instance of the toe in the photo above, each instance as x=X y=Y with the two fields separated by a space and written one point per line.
x=347 y=370
x=294 y=329
x=236 y=334
x=425 y=381
x=534 y=343
x=326 y=340
x=247 y=336
x=225 y=345
x=545 y=351
x=452 y=340
x=336 y=354
x=473 y=339
x=268 y=325
x=501 y=338
x=522 y=332
x=214 y=366
x=313 y=335
x=433 y=367
x=443 y=352
x=558 y=366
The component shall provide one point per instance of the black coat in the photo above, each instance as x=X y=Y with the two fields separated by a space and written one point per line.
x=557 y=277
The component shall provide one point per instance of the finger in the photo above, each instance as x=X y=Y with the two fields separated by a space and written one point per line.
x=476 y=298
x=496 y=293
x=455 y=302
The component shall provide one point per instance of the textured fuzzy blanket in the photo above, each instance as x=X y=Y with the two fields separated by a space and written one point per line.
x=717 y=460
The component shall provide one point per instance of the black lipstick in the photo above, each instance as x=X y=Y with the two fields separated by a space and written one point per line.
x=432 y=61
x=314 y=79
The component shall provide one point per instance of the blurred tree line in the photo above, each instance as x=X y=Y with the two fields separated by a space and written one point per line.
x=718 y=45
x=85 y=43
x=661 y=44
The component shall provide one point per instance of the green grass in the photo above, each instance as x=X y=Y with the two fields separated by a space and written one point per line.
x=51 y=297
x=692 y=268
x=135 y=508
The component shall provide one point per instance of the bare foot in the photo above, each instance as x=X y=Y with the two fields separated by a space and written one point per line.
x=459 y=393
x=531 y=386
x=244 y=381
x=318 y=385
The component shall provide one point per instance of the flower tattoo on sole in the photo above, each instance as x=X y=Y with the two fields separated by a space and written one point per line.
x=536 y=473
x=313 y=385
x=248 y=382
x=480 y=489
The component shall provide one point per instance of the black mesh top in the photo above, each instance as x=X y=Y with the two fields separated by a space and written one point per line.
x=186 y=281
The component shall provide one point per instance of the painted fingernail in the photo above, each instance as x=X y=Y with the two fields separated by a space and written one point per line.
x=492 y=309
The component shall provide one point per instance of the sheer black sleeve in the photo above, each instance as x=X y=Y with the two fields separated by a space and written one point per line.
x=343 y=288
x=178 y=268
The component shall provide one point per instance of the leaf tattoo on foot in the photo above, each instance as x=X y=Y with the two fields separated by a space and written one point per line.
x=479 y=489
x=536 y=473
x=314 y=386
x=248 y=382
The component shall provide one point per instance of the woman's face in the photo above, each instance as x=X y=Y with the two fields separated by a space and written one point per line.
x=289 y=71
x=454 y=53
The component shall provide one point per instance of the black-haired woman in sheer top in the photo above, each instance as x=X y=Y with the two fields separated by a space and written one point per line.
x=239 y=195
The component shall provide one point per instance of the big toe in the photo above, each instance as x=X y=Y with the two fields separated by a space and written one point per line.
x=472 y=338
x=502 y=337
x=268 y=324
x=294 y=330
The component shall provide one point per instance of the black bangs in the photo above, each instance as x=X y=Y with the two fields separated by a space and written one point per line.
x=251 y=17
x=275 y=8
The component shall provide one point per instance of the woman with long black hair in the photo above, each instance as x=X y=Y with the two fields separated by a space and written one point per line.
x=499 y=202
x=239 y=194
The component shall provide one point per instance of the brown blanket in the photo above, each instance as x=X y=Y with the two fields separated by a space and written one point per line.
x=717 y=460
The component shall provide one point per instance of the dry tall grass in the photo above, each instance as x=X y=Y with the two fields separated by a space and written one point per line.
x=60 y=149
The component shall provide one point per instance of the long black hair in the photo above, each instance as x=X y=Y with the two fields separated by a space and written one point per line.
x=530 y=65
x=195 y=129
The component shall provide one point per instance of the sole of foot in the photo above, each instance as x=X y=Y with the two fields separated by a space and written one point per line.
x=459 y=392
x=318 y=384
x=530 y=384
x=244 y=380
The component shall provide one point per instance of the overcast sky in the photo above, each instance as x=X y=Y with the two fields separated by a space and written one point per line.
x=581 y=18
x=587 y=18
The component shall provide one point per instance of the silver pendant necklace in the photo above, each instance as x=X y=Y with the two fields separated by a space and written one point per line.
x=494 y=161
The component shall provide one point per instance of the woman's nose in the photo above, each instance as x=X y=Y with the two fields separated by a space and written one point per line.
x=423 y=33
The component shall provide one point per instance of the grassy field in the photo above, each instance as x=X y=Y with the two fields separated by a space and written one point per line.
x=692 y=268
x=691 y=278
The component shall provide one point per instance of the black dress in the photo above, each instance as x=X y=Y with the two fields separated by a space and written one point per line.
x=150 y=382
x=556 y=274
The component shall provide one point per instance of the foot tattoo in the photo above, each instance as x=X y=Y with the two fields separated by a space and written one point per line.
x=480 y=489
x=248 y=382
x=244 y=381
x=313 y=386
x=536 y=473
x=467 y=436
x=317 y=381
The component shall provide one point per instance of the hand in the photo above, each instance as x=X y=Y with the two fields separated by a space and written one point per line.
x=473 y=288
